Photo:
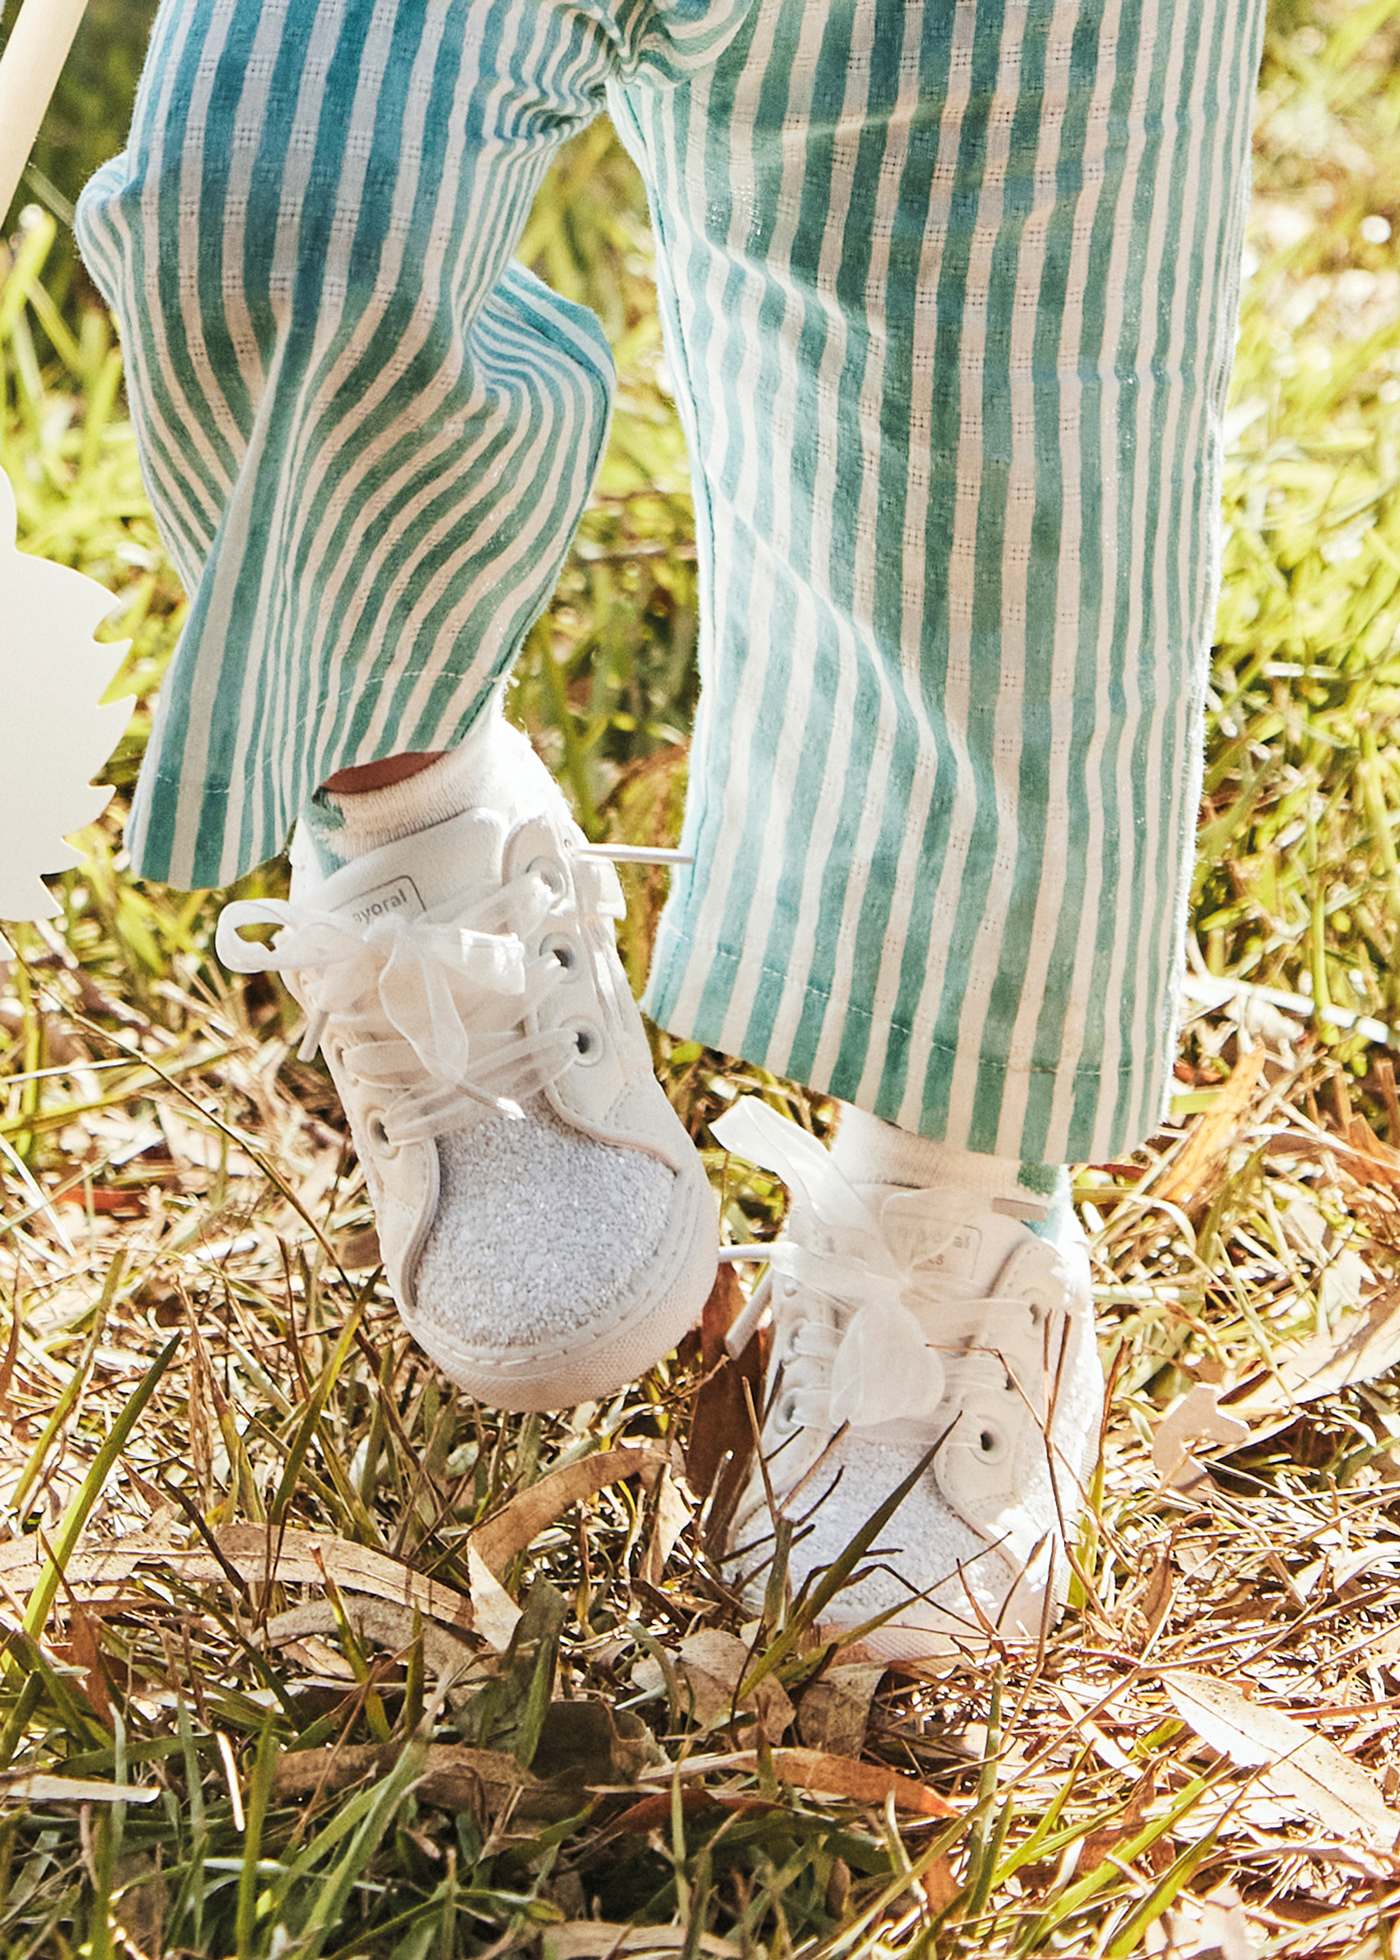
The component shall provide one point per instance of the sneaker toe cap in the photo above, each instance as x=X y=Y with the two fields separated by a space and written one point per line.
x=541 y=1233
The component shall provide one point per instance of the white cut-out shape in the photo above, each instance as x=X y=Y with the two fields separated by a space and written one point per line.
x=30 y=66
x=55 y=732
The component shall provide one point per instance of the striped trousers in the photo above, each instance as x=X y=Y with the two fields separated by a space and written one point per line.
x=949 y=292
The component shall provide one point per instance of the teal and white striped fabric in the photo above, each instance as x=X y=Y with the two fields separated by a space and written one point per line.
x=949 y=289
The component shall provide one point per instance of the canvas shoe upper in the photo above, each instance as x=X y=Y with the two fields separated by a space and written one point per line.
x=909 y=1321
x=545 y=1222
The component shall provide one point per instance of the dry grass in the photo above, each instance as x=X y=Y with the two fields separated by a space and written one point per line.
x=262 y=1592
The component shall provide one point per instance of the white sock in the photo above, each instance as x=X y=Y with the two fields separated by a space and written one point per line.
x=870 y=1151
x=494 y=767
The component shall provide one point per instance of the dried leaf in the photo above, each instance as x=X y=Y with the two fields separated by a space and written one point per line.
x=598 y=1939
x=671 y=1516
x=454 y=1776
x=1208 y=1929
x=1337 y=1358
x=496 y=1615
x=711 y=1664
x=73 y=1789
x=837 y=1776
x=834 y=1712
x=377 y=1624
x=525 y=1516
x=1296 y=1764
x=1194 y=1173
x=721 y=1434
x=940 y=1884
x=822 y=1775
x=1195 y=1417
x=1126 y=1823
x=589 y=1743
x=310 y=1558
x=297 y=1558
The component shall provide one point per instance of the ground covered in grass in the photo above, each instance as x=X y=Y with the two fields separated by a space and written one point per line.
x=302 y=1653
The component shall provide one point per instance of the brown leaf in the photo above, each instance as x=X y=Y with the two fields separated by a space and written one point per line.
x=1156 y=1601
x=589 y=1743
x=84 y=1650
x=1128 y=1821
x=939 y=1884
x=834 y=1711
x=520 y=1520
x=310 y=1558
x=1364 y=1346
x=720 y=1428
x=814 y=1770
x=1192 y=1174
x=298 y=1558
x=652 y=1813
x=711 y=1664
x=837 y=1776
x=359 y=1251
x=376 y=1624
x=1296 y=1764
x=598 y=1939
x=454 y=1777
x=671 y=1514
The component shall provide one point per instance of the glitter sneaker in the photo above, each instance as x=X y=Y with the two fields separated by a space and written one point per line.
x=545 y=1222
x=916 y=1327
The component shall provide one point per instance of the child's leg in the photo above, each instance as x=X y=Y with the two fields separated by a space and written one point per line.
x=367 y=437
x=950 y=292
x=366 y=434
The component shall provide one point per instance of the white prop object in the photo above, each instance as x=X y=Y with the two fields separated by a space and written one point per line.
x=54 y=732
x=29 y=71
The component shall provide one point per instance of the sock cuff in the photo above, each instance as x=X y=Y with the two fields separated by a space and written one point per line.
x=870 y=1151
x=494 y=765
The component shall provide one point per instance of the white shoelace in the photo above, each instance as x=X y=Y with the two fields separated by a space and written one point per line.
x=856 y=1353
x=428 y=1008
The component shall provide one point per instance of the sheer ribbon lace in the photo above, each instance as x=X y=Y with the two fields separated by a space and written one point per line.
x=429 y=1009
x=854 y=1314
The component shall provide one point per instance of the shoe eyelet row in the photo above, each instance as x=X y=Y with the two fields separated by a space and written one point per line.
x=552 y=876
x=561 y=949
x=588 y=1041
x=991 y=1444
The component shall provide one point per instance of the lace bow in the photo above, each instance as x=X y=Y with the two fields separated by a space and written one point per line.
x=882 y=1367
x=430 y=1000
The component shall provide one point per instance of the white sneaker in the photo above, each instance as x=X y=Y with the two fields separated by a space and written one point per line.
x=906 y=1322
x=545 y=1222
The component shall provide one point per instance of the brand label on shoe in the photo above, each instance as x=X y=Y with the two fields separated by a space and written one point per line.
x=957 y=1254
x=929 y=1247
x=398 y=895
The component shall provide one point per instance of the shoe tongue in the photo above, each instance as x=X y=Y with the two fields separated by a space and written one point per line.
x=457 y=858
x=945 y=1234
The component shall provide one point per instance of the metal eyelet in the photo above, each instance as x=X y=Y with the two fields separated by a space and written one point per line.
x=785 y=1414
x=379 y=1134
x=562 y=950
x=552 y=876
x=588 y=1040
x=991 y=1444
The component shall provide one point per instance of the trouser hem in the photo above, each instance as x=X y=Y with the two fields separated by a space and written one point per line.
x=678 y=952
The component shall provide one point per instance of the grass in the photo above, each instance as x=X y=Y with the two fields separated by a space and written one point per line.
x=304 y=1654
